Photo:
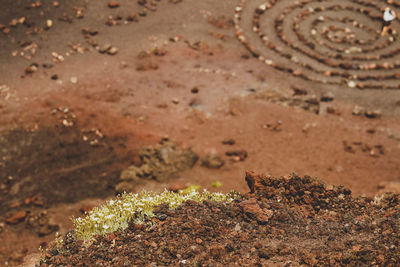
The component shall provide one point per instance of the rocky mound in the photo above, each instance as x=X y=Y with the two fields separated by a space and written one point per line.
x=283 y=221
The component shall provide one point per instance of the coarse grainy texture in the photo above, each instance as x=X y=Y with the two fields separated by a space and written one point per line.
x=285 y=221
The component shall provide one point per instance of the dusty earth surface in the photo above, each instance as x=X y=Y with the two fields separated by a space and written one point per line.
x=309 y=87
x=290 y=221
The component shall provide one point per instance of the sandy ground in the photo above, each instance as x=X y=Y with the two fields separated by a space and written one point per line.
x=199 y=87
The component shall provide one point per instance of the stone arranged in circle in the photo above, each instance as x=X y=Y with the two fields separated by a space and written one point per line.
x=331 y=42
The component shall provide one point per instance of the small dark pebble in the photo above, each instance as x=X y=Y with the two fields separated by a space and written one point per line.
x=327 y=97
x=47 y=65
x=242 y=154
x=298 y=91
x=372 y=114
x=229 y=141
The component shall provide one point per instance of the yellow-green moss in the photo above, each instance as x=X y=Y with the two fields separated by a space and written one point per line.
x=216 y=184
x=116 y=214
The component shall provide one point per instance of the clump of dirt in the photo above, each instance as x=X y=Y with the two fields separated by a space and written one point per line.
x=286 y=221
x=161 y=162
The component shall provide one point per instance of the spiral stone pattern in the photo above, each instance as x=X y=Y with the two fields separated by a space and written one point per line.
x=335 y=42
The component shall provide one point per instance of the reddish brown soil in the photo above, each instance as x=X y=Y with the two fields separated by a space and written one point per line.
x=201 y=88
x=289 y=221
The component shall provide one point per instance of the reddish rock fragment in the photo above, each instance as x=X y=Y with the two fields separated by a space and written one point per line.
x=297 y=72
x=13 y=23
x=332 y=110
x=110 y=237
x=113 y=4
x=254 y=181
x=31 y=69
x=132 y=17
x=253 y=211
x=15 y=205
x=16 y=217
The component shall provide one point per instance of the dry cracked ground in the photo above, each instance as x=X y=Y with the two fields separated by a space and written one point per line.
x=98 y=97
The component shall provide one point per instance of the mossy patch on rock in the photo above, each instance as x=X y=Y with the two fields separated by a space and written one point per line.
x=161 y=162
x=118 y=213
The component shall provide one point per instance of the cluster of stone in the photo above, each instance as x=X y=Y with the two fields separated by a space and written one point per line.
x=322 y=41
